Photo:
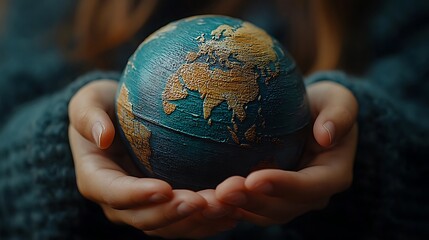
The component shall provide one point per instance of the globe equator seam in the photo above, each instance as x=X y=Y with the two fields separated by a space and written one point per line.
x=154 y=122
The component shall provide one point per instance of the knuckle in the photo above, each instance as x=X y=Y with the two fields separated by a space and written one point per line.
x=83 y=116
x=344 y=112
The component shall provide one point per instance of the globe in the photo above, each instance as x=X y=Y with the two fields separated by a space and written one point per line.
x=209 y=97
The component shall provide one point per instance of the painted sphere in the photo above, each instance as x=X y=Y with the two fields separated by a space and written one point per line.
x=209 y=97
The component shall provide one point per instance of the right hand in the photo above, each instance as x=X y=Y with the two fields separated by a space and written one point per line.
x=106 y=175
x=274 y=196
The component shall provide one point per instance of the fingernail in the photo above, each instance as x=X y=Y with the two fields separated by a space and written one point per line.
x=158 y=198
x=185 y=209
x=330 y=129
x=97 y=132
x=236 y=199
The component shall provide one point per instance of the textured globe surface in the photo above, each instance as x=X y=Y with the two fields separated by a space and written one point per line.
x=209 y=97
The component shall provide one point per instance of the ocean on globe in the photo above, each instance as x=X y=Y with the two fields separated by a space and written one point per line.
x=209 y=97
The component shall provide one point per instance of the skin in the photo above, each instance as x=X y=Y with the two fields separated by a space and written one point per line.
x=105 y=173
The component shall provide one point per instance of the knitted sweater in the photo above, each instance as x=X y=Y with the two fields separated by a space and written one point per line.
x=388 y=198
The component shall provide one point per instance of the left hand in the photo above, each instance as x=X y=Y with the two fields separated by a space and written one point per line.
x=273 y=196
x=106 y=175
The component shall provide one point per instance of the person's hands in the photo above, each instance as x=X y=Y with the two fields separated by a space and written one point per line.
x=215 y=218
x=106 y=175
x=274 y=196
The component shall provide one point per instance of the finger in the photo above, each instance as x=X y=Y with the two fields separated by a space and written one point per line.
x=215 y=209
x=100 y=179
x=256 y=207
x=89 y=112
x=293 y=186
x=215 y=218
x=183 y=204
x=276 y=196
x=328 y=173
x=335 y=164
x=335 y=108
x=232 y=191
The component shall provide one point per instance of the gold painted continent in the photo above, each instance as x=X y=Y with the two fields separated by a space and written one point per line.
x=231 y=62
x=215 y=86
x=250 y=47
x=136 y=133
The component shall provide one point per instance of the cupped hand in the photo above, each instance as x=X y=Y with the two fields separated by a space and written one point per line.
x=273 y=196
x=106 y=175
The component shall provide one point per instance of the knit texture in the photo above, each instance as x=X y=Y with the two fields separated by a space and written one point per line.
x=39 y=197
x=388 y=199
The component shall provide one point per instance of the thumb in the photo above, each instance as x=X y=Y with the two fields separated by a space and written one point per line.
x=91 y=110
x=335 y=109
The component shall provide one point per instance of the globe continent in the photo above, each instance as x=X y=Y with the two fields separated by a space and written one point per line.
x=209 y=97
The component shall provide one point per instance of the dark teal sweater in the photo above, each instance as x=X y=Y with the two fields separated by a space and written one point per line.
x=389 y=198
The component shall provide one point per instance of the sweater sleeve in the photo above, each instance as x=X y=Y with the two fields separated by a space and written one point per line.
x=389 y=195
x=38 y=194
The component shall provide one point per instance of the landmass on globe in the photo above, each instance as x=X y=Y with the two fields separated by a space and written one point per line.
x=236 y=52
x=137 y=134
x=230 y=85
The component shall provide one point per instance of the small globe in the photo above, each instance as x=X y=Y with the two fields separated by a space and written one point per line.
x=209 y=97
